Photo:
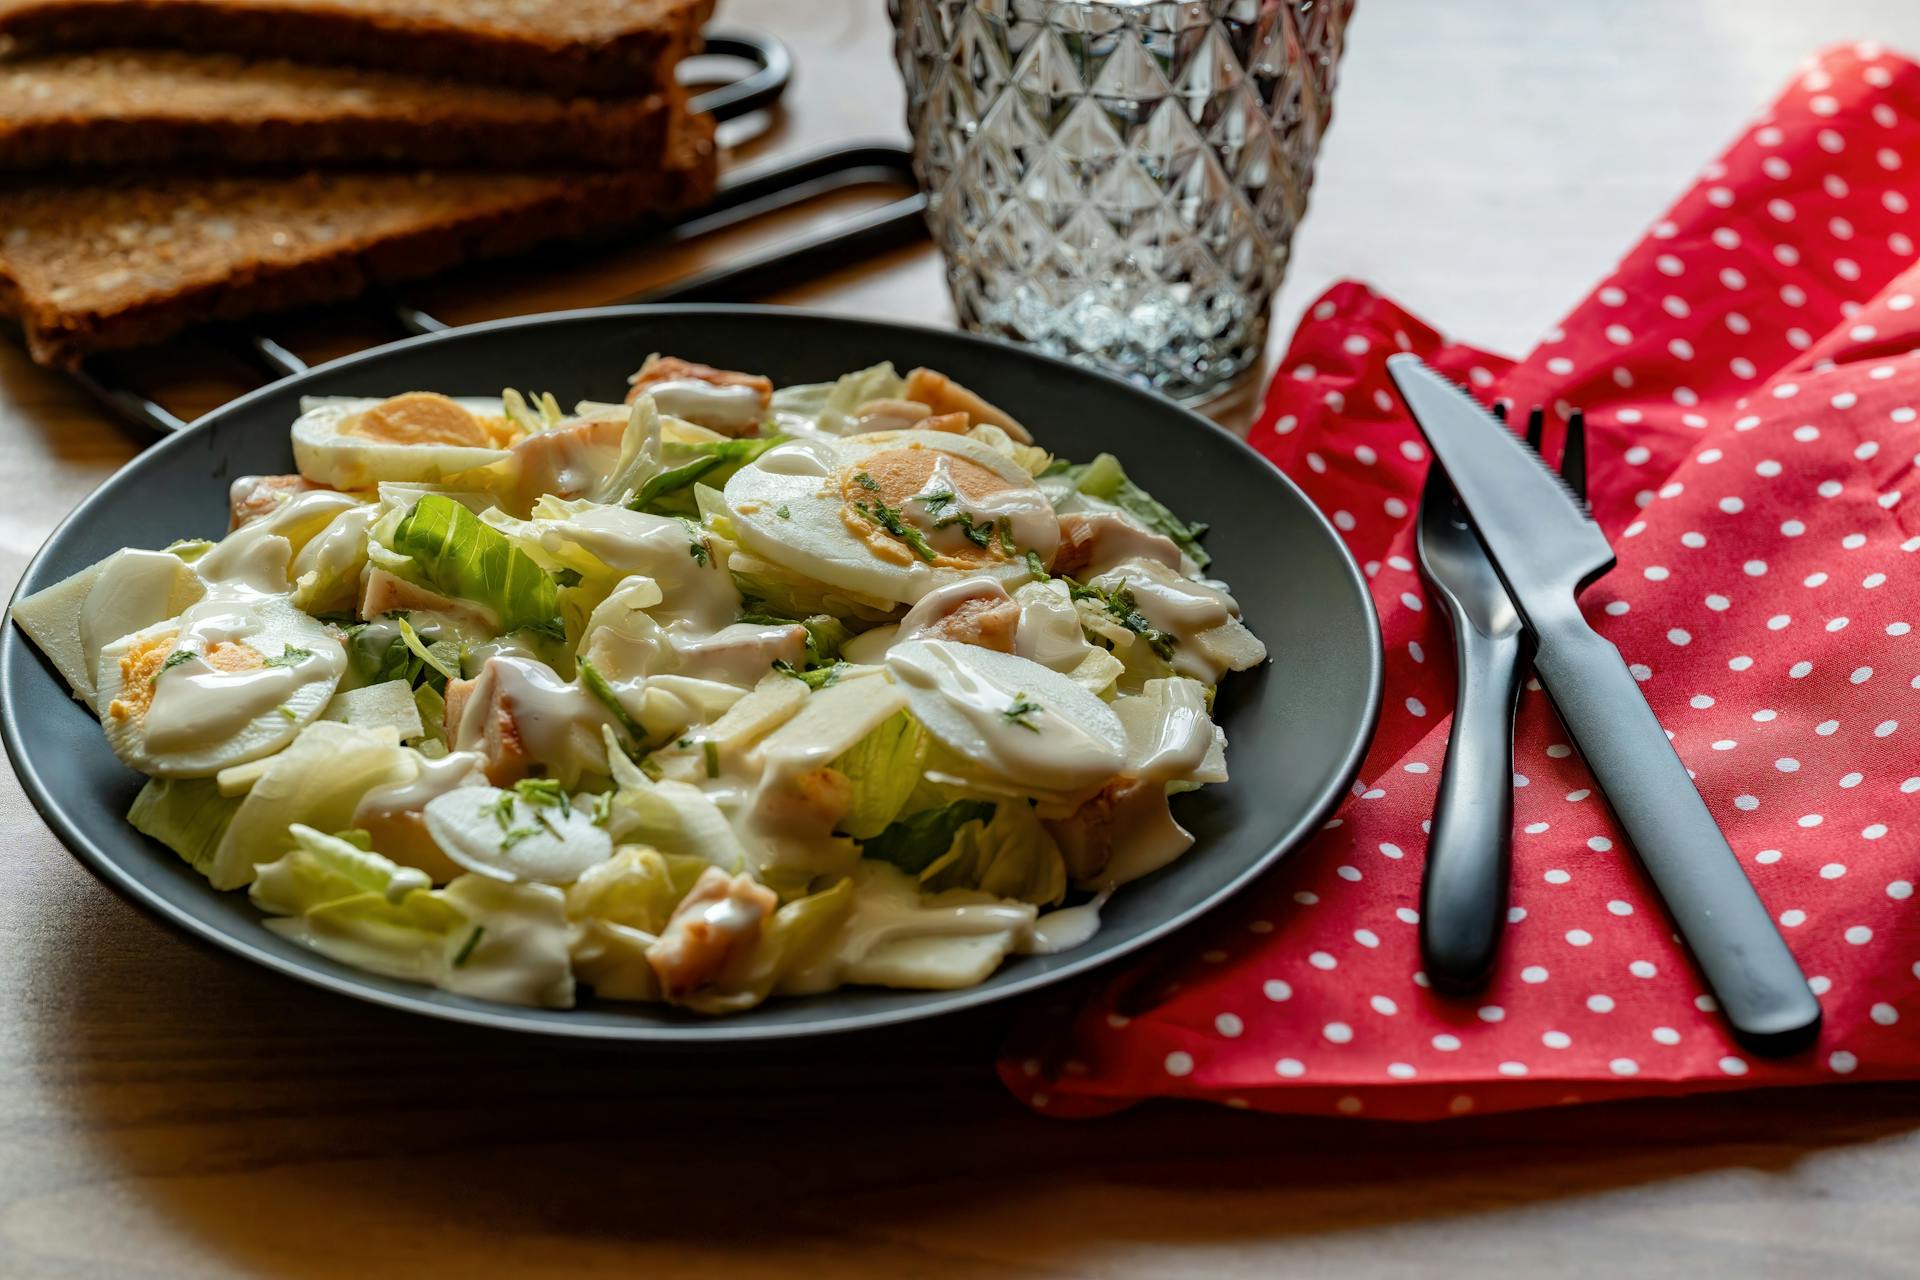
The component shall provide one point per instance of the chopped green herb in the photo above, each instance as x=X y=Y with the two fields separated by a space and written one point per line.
x=1005 y=528
x=286 y=711
x=888 y=518
x=934 y=501
x=818 y=678
x=602 y=691
x=174 y=659
x=503 y=810
x=603 y=809
x=782 y=512
x=711 y=750
x=543 y=793
x=698 y=550
x=515 y=836
x=1036 y=568
x=291 y=656
x=867 y=482
x=1119 y=605
x=1022 y=708
x=466 y=948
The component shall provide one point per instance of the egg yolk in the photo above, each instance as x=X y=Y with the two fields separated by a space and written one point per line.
x=421 y=417
x=141 y=666
x=890 y=478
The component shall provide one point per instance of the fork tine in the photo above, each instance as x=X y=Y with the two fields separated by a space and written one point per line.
x=1573 y=463
x=1536 y=427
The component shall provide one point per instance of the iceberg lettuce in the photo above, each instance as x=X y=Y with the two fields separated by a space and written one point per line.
x=1104 y=478
x=1010 y=857
x=446 y=548
x=188 y=815
x=884 y=767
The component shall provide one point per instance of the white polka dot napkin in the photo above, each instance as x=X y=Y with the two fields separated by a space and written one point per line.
x=1751 y=379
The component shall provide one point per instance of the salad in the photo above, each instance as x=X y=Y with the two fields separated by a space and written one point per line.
x=721 y=693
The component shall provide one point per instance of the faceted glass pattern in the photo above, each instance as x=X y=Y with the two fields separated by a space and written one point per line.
x=1118 y=182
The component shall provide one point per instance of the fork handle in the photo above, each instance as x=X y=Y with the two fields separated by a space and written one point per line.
x=1755 y=978
x=1463 y=893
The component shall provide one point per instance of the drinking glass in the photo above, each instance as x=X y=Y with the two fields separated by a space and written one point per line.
x=1118 y=181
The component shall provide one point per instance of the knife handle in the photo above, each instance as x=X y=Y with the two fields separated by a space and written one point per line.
x=1463 y=891
x=1760 y=988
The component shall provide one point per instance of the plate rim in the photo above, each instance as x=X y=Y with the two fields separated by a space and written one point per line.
x=716 y=1031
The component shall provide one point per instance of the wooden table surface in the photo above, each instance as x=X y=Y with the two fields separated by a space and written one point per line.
x=167 y=1111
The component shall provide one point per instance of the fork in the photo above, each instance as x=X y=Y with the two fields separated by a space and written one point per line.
x=1463 y=894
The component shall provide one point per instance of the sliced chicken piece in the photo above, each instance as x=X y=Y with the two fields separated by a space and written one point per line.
x=722 y=400
x=251 y=497
x=718 y=922
x=567 y=462
x=742 y=652
x=813 y=800
x=943 y=395
x=480 y=718
x=382 y=593
x=1092 y=542
x=975 y=611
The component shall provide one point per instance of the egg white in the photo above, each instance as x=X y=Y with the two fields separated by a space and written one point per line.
x=326 y=455
x=278 y=626
x=813 y=540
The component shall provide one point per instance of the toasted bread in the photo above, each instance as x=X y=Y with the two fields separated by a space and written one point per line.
x=90 y=266
x=624 y=47
x=163 y=109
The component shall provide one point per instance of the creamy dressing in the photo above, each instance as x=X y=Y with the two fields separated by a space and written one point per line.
x=886 y=936
x=135 y=589
x=933 y=607
x=1184 y=608
x=433 y=778
x=694 y=589
x=708 y=404
x=1111 y=538
x=1064 y=929
x=555 y=721
x=1169 y=732
x=741 y=652
x=799 y=458
x=1012 y=730
x=335 y=554
x=1028 y=517
x=195 y=704
x=1049 y=632
x=1145 y=835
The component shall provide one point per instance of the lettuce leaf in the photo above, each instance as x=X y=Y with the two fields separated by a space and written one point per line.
x=916 y=842
x=884 y=768
x=317 y=781
x=639 y=458
x=1010 y=857
x=357 y=907
x=1106 y=479
x=188 y=815
x=830 y=405
x=670 y=492
x=454 y=553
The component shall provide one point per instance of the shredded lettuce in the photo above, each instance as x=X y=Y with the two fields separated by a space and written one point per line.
x=917 y=841
x=1106 y=479
x=188 y=815
x=356 y=906
x=454 y=553
x=1011 y=856
x=639 y=459
x=884 y=767
x=830 y=405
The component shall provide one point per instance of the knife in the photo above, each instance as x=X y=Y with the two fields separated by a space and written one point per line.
x=1546 y=549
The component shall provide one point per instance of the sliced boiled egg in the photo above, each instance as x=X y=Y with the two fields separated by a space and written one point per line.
x=1009 y=717
x=349 y=443
x=228 y=681
x=894 y=514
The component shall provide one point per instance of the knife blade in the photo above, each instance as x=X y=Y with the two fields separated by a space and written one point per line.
x=1546 y=548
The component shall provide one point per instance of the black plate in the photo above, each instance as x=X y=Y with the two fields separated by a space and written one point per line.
x=1298 y=727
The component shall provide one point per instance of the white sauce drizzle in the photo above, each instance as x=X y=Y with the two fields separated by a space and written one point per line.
x=707 y=404
x=1029 y=517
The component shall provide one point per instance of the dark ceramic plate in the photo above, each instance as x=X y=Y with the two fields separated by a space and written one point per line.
x=1298 y=727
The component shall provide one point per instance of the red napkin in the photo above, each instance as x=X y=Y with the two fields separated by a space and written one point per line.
x=1751 y=392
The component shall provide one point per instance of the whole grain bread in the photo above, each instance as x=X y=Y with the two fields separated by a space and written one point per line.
x=163 y=109
x=622 y=47
x=90 y=266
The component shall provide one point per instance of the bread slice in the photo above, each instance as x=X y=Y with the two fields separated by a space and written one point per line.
x=626 y=47
x=86 y=267
x=163 y=109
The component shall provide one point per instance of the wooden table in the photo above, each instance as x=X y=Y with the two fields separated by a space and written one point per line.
x=167 y=1111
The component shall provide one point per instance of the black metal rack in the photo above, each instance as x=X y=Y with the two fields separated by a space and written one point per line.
x=742 y=197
